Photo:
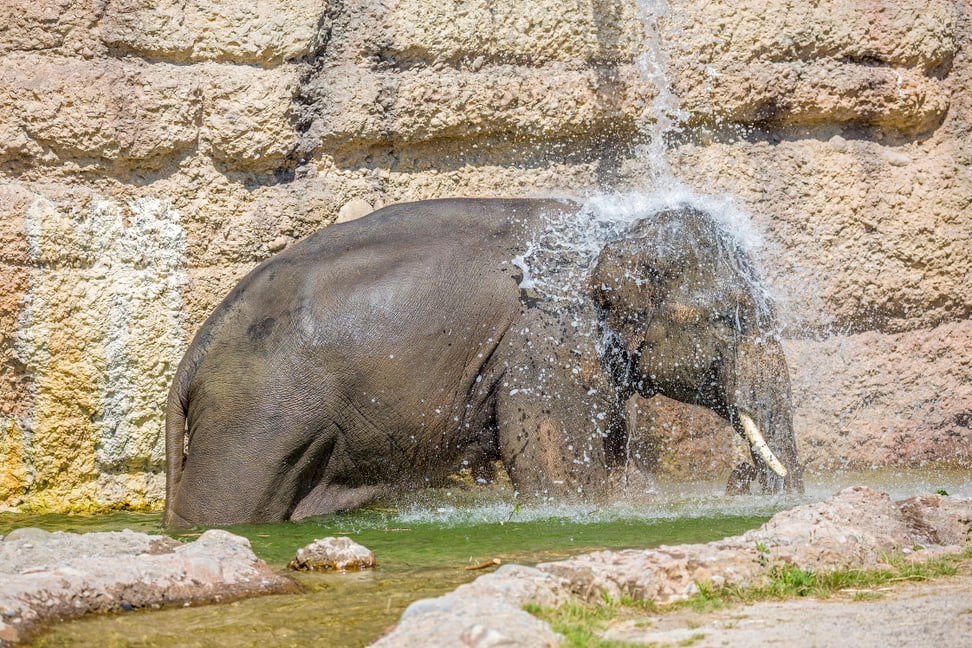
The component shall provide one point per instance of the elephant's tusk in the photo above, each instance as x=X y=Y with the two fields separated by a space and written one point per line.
x=758 y=444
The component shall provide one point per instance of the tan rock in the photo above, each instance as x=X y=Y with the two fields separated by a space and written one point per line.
x=51 y=25
x=353 y=210
x=811 y=63
x=263 y=34
x=912 y=33
x=813 y=93
x=555 y=101
x=98 y=337
x=855 y=240
x=55 y=576
x=506 y=30
x=113 y=111
x=246 y=116
x=875 y=399
x=333 y=554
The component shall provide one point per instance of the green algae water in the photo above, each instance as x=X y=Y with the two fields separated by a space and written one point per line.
x=423 y=550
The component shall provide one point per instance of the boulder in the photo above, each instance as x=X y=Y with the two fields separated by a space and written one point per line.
x=333 y=554
x=46 y=576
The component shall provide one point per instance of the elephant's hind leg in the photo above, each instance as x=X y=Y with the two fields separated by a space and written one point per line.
x=328 y=498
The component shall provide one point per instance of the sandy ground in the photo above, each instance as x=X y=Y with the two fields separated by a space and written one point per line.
x=937 y=614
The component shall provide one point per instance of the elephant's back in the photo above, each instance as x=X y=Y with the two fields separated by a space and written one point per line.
x=484 y=223
x=405 y=278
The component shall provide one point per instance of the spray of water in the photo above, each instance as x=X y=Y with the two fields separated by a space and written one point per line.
x=560 y=256
x=699 y=499
x=557 y=262
x=666 y=115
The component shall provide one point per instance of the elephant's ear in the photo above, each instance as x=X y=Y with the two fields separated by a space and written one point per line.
x=625 y=290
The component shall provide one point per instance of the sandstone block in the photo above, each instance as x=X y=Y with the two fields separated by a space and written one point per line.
x=15 y=463
x=15 y=384
x=907 y=34
x=425 y=104
x=246 y=115
x=503 y=31
x=815 y=93
x=99 y=331
x=874 y=399
x=855 y=240
x=811 y=63
x=263 y=33
x=112 y=110
x=35 y=25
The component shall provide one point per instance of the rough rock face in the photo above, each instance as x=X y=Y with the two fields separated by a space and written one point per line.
x=152 y=152
x=856 y=528
x=327 y=554
x=47 y=576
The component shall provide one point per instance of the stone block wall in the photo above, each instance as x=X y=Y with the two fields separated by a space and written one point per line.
x=152 y=152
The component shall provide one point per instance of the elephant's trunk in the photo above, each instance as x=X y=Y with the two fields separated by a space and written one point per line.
x=760 y=400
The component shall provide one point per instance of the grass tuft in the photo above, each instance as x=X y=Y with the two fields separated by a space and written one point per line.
x=581 y=623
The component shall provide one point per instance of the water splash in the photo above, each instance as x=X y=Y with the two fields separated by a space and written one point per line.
x=560 y=257
x=667 y=501
x=656 y=507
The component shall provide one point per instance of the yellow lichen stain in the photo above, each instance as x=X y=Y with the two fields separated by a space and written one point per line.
x=13 y=463
x=100 y=325
x=64 y=399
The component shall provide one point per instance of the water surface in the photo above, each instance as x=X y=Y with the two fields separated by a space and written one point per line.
x=423 y=549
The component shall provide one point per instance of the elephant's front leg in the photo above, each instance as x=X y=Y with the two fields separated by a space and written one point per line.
x=557 y=417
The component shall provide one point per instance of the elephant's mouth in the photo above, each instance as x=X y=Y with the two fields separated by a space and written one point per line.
x=759 y=445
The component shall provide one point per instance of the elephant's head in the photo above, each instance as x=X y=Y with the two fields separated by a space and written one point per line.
x=691 y=321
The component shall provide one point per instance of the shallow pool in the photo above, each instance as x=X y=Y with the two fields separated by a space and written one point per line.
x=423 y=549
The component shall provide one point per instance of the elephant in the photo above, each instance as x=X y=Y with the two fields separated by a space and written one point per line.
x=384 y=354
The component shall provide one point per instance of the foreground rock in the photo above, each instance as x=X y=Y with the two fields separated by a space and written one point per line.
x=48 y=576
x=857 y=527
x=333 y=554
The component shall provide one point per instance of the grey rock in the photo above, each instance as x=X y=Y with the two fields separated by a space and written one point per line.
x=58 y=575
x=27 y=533
x=333 y=554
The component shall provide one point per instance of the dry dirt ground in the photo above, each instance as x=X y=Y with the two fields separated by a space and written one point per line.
x=935 y=613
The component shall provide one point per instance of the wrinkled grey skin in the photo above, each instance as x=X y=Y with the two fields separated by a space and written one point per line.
x=384 y=354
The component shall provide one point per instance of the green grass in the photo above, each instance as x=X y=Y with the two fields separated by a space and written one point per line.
x=789 y=582
x=581 y=623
